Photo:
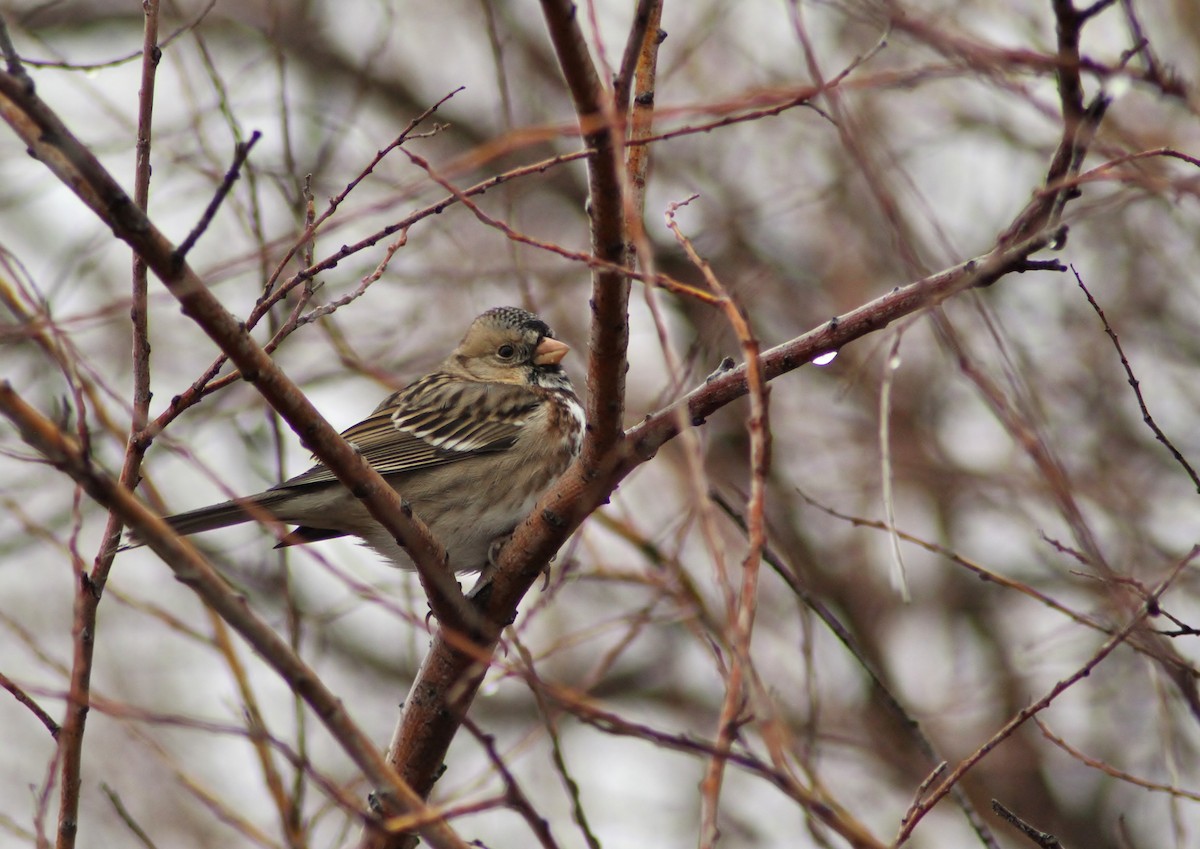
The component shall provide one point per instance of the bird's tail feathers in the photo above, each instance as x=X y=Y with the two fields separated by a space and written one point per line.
x=223 y=515
x=212 y=517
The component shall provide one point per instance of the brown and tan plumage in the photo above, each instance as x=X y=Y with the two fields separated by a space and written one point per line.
x=471 y=446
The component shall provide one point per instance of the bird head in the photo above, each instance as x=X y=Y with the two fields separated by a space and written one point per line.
x=508 y=345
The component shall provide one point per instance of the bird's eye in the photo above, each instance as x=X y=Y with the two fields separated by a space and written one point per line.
x=505 y=352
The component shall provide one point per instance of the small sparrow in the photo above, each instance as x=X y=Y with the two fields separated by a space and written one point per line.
x=471 y=447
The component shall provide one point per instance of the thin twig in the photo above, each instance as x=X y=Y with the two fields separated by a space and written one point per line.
x=127 y=818
x=890 y=367
x=240 y=153
x=257 y=731
x=21 y=696
x=12 y=61
x=1109 y=769
x=645 y=23
x=515 y=797
x=971 y=566
x=597 y=264
x=139 y=310
x=1080 y=123
x=556 y=749
x=1042 y=839
x=1137 y=386
x=91 y=586
x=741 y=614
x=174 y=35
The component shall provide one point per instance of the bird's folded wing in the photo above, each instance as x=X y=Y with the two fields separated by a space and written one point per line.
x=409 y=437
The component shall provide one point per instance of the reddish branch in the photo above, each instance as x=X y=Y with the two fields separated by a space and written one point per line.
x=602 y=133
x=23 y=698
x=742 y=607
x=91 y=585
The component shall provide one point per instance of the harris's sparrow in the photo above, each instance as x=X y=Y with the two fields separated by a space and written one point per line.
x=471 y=447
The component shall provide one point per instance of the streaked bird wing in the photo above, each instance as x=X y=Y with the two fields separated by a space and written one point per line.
x=432 y=423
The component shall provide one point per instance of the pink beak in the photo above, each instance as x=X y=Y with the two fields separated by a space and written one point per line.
x=549 y=352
